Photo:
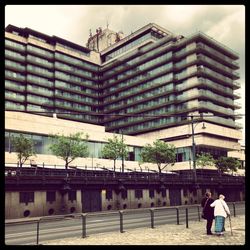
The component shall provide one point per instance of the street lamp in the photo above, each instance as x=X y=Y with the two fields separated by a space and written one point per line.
x=122 y=154
x=193 y=149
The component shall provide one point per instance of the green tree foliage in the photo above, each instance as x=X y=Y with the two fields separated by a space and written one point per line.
x=159 y=153
x=24 y=148
x=204 y=160
x=114 y=149
x=227 y=163
x=69 y=147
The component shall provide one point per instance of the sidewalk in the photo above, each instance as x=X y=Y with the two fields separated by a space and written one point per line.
x=165 y=235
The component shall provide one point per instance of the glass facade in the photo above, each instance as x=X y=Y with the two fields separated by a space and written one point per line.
x=153 y=35
x=43 y=142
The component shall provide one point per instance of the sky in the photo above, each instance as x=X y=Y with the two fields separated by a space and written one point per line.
x=224 y=23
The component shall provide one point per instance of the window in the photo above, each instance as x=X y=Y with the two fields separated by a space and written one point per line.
x=72 y=195
x=26 y=197
x=185 y=192
x=164 y=193
x=138 y=193
x=124 y=194
x=50 y=196
x=151 y=193
x=109 y=194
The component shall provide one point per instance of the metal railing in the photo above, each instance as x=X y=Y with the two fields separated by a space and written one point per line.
x=128 y=174
x=121 y=213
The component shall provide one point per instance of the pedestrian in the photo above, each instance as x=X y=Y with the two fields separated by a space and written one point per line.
x=208 y=211
x=221 y=211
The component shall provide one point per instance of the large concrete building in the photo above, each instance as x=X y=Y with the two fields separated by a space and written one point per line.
x=151 y=84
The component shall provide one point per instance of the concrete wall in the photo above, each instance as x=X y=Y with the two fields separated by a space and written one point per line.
x=40 y=207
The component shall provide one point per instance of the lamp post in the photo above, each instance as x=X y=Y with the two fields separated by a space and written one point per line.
x=122 y=154
x=194 y=150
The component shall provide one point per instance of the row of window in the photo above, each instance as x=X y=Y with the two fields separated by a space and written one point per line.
x=29 y=196
x=14 y=85
x=142 y=124
x=142 y=87
x=75 y=61
x=75 y=87
x=136 y=98
x=158 y=80
x=140 y=67
x=134 y=61
x=72 y=69
x=42 y=144
x=126 y=47
x=69 y=77
x=140 y=76
x=215 y=52
x=23 y=46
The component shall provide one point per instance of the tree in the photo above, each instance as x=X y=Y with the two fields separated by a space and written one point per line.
x=114 y=149
x=24 y=148
x=69 y=147
x=224 y=164
x=204 y=159
x=159 y=153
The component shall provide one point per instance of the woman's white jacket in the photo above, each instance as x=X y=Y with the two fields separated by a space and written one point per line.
x=218 y=208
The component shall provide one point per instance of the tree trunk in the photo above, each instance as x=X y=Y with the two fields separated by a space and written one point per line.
x=114 y=165
x=20 y=162
x=159 y=168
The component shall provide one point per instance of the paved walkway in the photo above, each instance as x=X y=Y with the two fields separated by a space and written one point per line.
x=165 y=235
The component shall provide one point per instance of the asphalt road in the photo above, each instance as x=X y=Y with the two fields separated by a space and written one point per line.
x=26 y=234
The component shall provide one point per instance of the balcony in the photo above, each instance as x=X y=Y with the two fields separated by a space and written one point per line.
x=14 y=97
x=14 y=106
x=15 y=56
x=238 y=125
x=41 y=72
x=237 y=95
x=39 y=91
x=236 y=85
x=216 y=108
x=37 y=100
x=220 y=120
x=237 y=105
x=14 y=66
x=35 y=61
x=216 y=76
x=39 y=81
x=40 y=52
x=214 y=64
x=14 y=76
x=216 y=86
x=217 y=55
x=14 y=86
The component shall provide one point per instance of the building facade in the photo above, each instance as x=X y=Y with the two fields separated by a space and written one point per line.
x=151 y=83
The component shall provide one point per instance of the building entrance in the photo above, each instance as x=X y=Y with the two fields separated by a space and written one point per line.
x=91 y=201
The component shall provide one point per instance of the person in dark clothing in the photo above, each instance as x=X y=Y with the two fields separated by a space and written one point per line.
x=208 y=211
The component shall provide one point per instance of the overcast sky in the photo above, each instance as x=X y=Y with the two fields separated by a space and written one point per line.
x=225 y=23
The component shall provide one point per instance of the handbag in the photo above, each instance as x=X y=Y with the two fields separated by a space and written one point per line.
x=203 y=214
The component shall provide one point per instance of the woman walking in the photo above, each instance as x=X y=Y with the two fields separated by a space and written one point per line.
x=221 y=210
